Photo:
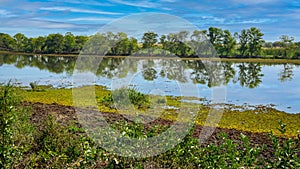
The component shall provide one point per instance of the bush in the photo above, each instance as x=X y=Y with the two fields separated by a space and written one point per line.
x=124 y=97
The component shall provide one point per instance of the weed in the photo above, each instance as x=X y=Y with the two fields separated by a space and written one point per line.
x=286 y=154
x=8 y=106
x=33 y=85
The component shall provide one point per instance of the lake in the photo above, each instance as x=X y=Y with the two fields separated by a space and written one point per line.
x=275 y=85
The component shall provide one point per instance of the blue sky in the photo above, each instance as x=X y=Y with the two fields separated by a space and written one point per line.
x=85 y=17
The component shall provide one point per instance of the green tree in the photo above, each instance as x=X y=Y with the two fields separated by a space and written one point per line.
x=183 y=48
x=133 y=46
x=21 y=42
x=149 y=39
x=200 y=44
x=288 y=45
x=178 y=44
x=250 y=42
x=162 y=40
x=215 y=36
x=69 y=42
x=243 y=42
x=170 y=44
x=255 y=41
x=6 y=42
x=80 y=42
x=37 y=44
x=54 y=43
x=122 y=44
x=228 y=44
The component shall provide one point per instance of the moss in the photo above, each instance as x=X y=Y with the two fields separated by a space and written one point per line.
x=258 y=120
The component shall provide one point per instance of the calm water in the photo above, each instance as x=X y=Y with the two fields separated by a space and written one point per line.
x=246 y=83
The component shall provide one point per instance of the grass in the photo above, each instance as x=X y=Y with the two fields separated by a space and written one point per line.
x=258 y=120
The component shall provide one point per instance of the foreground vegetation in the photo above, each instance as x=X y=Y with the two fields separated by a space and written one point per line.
x=248 y=43
x=35 y=139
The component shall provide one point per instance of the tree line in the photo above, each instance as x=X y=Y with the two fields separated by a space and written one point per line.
x=246 y=43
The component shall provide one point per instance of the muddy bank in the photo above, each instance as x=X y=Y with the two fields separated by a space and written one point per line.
x=65 y=114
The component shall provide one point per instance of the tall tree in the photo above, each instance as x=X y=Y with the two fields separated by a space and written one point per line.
x=215 y=36
x=37 y=44
x=288 y=45
x=54 y=43
x=163 y=42
x=133 y=46
x=6 y=42
x=255 y=41
x=21 y=42
x=122 y=44
x=200 y=44
x=149 y=39
x=80 y=42
x=69 y=43
x=250 y=42
x=243 y=42
x=228 y=44
x=184 y=49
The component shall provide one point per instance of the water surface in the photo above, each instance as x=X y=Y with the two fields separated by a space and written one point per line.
x=246 y=83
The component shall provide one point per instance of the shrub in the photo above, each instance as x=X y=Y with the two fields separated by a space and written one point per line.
x=124 y=97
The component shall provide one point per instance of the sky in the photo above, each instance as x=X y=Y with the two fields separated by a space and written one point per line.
x=85 y=17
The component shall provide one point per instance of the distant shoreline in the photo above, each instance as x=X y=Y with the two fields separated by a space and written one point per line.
x=231 y=59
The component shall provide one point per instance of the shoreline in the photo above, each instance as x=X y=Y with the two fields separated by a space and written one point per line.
x=233 y=59
x=262 y=119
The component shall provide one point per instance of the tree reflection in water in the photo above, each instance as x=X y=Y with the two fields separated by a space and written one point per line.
x=197 y=71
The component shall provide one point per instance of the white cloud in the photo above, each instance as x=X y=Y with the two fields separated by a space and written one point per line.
x=252 y=21
x=170 y=1
x=144 y=4
x=255 y=21
x=292 y=14
x=69 y=9
x=85 y=2
x=40 y=24
x=213 y=19
x=36 y=23
x=5 y=13
x=90 y=19
x=254 y=2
